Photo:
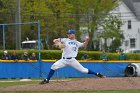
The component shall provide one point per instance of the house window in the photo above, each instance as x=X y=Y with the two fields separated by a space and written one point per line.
x=129 y=24
x=132 y=43
x=126 y=43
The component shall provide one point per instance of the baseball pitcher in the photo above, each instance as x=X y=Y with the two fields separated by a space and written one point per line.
x=70 y=48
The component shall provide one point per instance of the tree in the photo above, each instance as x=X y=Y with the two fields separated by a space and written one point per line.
x=56 y=16
x=111 y=30
x=95 y=11
x=53 y=17
x=116 y=43
x=7 y=12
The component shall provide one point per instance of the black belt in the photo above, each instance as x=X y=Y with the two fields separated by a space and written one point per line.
x=68 y=57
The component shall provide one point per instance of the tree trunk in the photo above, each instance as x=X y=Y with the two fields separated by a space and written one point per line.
x=90 y=44
x=105 y=44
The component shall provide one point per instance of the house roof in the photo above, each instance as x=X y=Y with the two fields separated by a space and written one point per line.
x=134 y=6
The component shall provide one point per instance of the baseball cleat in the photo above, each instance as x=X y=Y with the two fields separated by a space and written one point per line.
x=44 y=81
x=100 y=75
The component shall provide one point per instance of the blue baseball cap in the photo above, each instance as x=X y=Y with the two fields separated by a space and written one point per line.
x=71 y=31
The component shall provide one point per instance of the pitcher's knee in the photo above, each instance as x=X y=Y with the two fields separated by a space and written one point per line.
x=54 y=67
x=84 y=71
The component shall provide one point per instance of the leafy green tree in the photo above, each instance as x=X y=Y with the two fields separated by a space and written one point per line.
x=7 y=11
x=95 y=11
x=116 y=43
x=52 y=15
x=34 y=10
x=7 y=15
x=58 y=22
x=56 y=16
x=111 y=30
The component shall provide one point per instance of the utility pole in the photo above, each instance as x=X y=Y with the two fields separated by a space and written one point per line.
x=18 y=26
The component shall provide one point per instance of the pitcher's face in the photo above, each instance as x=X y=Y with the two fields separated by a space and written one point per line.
x=71 y=36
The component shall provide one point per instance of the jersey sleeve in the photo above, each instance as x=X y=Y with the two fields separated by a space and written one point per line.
x=80 y=44
x=63 y=40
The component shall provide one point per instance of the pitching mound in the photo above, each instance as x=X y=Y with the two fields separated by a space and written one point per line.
x=82 y=84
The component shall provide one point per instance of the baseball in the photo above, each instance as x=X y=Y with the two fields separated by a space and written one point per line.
x=87 y=37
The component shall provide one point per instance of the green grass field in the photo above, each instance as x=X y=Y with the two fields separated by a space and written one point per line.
x=16 y=82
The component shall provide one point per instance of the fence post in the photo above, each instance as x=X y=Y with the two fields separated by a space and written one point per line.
x=39 y=54
x=3 y=27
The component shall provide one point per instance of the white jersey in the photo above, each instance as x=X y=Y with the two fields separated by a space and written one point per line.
x=69 y=54
x=72 y=46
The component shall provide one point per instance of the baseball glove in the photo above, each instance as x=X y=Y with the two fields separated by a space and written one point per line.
x=59 y=45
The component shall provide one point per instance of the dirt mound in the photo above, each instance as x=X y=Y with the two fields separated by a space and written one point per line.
x=81 y=84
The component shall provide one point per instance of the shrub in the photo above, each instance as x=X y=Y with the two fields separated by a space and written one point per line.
x=56 y=54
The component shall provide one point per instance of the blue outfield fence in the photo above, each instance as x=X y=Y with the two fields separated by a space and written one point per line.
x=41 y=69
x=19 y=70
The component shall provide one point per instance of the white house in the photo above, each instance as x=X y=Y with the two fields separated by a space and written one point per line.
x=130 y=15
x=129 y=11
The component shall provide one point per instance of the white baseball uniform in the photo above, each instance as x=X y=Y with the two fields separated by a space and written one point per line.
x=69 y=54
